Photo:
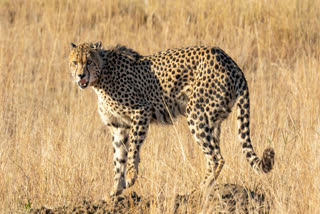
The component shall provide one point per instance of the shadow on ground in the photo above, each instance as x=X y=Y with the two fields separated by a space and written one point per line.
x=221 y=198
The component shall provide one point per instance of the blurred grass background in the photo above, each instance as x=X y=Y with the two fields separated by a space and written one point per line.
x=54 y=150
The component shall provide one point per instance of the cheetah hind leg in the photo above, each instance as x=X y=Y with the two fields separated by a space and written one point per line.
x=216 y=158
x=207 y=137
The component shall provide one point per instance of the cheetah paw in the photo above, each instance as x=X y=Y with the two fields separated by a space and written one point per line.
x=117 y=192
x=207 y=183
x=117 y=189
x=132 y=175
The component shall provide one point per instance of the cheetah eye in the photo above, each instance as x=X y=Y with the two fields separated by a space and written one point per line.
x=74 y=63
x=89 y=62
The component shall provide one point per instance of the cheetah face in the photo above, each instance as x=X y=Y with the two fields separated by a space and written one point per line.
x=85 y=63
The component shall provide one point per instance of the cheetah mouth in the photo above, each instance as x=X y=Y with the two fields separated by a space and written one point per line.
x=83 y=83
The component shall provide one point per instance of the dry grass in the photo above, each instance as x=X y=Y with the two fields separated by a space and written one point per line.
x=54 y=148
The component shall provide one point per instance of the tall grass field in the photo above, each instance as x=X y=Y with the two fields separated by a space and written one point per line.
x=55 y=150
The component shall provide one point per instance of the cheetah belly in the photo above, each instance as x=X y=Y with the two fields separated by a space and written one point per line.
x=111 y=117
x=173 y=107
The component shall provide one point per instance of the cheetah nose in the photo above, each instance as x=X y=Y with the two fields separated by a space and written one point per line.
x=81 y=76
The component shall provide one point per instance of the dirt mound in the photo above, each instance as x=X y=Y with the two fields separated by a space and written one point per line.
x=222 y=198
x=131 y=203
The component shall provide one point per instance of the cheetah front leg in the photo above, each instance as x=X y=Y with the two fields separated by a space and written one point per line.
x=138 y=132
x=120 y=153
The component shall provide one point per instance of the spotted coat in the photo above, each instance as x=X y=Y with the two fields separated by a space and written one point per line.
x=201 y=83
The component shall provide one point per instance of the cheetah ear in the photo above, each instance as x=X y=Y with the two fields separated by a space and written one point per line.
x=73 y=45
x=98 y=45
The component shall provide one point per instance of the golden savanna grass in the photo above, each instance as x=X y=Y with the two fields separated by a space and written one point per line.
x=54 y=150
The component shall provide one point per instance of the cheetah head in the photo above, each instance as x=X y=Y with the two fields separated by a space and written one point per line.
x=85 y=63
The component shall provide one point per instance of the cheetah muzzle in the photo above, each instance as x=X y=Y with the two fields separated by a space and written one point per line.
x=83 y=83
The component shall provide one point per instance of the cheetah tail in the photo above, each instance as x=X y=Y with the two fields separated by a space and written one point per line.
x=243 y=115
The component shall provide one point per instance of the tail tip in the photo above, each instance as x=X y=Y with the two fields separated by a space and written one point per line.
x=268 y=160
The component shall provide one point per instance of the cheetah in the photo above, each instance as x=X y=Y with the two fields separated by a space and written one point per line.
x=200 y=83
